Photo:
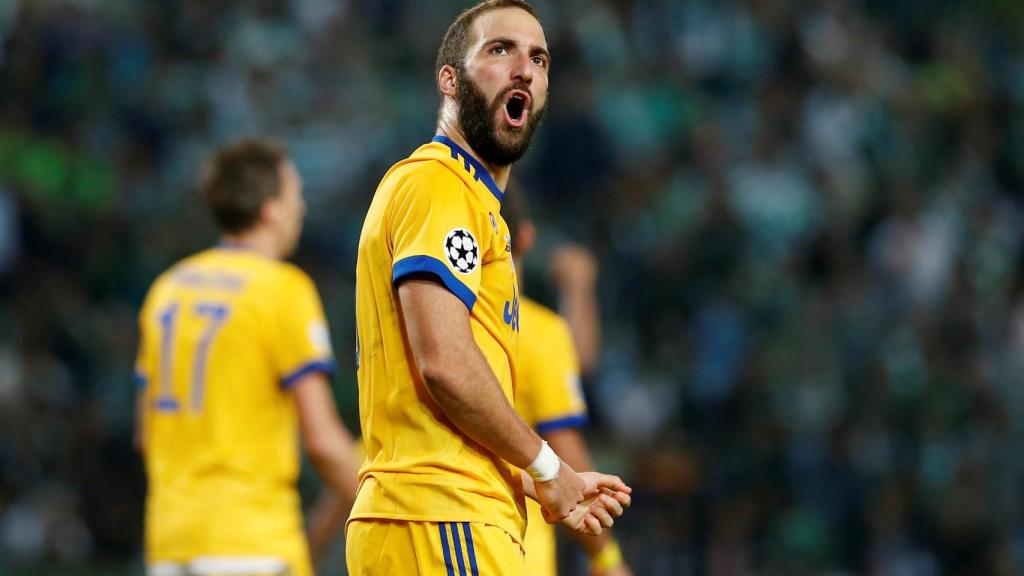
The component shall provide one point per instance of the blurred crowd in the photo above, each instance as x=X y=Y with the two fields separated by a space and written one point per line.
x=807 y=215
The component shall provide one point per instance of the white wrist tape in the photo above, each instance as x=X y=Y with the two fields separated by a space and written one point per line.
x=545 y=466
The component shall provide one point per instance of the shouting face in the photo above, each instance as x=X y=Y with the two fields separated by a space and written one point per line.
x=503 y=85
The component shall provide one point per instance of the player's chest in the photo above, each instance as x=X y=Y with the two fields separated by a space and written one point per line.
x=498 y=282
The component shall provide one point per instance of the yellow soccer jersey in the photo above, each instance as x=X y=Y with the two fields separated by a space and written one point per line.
x=549 y=398
x=224 y=334
x=548 y=394
x=436 y=212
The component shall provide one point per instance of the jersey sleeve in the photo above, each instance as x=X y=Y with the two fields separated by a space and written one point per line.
x=301 y=342
x=435 y=229
x=557 y=397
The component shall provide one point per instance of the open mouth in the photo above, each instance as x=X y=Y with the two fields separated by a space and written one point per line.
x=516 y=106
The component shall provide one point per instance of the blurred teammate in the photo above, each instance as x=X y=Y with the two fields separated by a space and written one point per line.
x=233 y=364
x=437 y=312
x=548 y=394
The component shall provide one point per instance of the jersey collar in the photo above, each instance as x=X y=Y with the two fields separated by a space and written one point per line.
x=478 y=171
x=240 y=247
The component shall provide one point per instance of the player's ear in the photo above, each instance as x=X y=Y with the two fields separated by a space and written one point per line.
x=447 y=80
x=270 y=210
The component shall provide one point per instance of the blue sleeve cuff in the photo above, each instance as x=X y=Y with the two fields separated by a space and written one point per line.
x=327 y=366
x=430 y=265
x=574 y=421
x=140 y=380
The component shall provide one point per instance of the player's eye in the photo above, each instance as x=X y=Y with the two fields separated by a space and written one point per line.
x=540 y=61
x=499 y=50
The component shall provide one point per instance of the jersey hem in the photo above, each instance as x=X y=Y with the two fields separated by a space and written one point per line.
x=515 y=534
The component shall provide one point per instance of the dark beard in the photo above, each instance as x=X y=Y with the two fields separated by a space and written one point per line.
x=479 y=126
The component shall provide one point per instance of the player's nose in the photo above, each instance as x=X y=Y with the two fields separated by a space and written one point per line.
x=522 y=70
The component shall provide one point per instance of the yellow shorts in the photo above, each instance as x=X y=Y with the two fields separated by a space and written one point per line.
x=375 y=547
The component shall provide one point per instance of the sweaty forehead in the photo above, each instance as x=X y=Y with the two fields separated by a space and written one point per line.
x=512 y=23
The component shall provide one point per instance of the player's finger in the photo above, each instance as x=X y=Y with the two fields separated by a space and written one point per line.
x=612 y=482
x=611 y=505
x=593 y=525
x=621 y=497
x=603 y=515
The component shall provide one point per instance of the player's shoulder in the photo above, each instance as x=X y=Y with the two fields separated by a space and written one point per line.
x=431 y=176
x=292 y=275
x=276 y=279
x=537 y=317
x=534 y=308
x=237 y=270
x=275 y=285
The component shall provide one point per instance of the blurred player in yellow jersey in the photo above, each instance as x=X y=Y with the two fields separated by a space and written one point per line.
x=548 y=394
x=437 y=311
x=233 y=367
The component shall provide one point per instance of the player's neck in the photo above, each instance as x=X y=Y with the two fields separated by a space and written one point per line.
x=257 y=240
x=499 y=174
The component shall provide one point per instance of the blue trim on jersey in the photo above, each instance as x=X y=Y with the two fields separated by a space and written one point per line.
x=325 y=365
x=574 y=421
x=458 y=548
x=444 y=548
x=479 y=173
x=469 y=548
x=431 y=265
x=166 y=405
x=140 y=380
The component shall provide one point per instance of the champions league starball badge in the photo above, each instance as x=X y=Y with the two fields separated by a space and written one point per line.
x=462 y=250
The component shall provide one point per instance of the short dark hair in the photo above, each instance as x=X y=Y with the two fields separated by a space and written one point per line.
x=453 y=47
x=238 y=179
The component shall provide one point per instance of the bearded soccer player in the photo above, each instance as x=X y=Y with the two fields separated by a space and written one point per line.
x=233 y=365
x=448 y=460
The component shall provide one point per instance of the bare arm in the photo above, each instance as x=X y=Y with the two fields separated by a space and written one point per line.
x=574 y=271
x=326 y=518
x=458 y=376
x=460 y=380
x=330 y=449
